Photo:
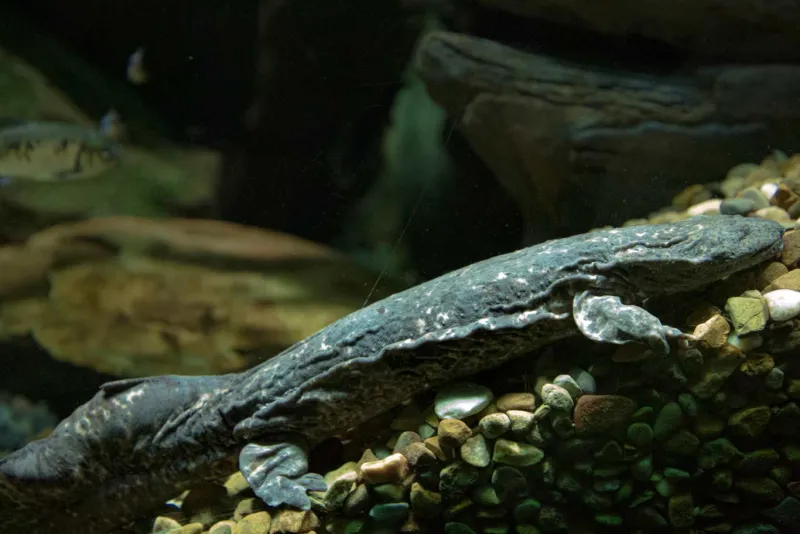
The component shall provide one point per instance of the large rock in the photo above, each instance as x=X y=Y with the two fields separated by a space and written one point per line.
x=733 y=29
x=131 y=296
x=577 y=145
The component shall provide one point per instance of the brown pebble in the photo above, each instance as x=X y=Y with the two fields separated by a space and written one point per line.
x=452 y=433
x=770 y=273
x=291 y=522
x=516 y=401
x=790 y=280
x=436 y=448
x=791 y=248
x=246 y=507
x=418 y=454
x=393 y=468
x=714 y=332
x=602 y=414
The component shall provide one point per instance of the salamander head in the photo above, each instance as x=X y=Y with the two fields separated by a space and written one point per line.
x=693 y=253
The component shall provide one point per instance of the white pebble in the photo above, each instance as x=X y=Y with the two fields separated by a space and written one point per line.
x=784 y=304
x=707 y=207
x=461 y=400
x=769 y=189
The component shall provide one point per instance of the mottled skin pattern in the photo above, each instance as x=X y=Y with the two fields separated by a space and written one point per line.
x=138 y=442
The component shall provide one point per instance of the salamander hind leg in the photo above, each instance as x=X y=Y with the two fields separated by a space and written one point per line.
x=606 y=319
x=278 y=473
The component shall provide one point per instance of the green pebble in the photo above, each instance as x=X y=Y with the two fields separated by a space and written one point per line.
x=668 y=420
x=644 y=497
x=485 y=496
x=391 y=513
x=624 y=492
x=642 y=469
x=612 y=520
x=664 y=488
x=673 y=472
x=717 y=453
x=516 y=453
x=640 y=435
x=527 y=510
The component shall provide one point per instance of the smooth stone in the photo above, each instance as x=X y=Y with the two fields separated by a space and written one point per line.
x=668 y=421
x=749 y=422
x=569 y=384
x=774 y=378
x=516 y=454
x=389 y=513
x=783 y=304
x=557 y=397
x=494 y=425
x=786 y=513
x=640 y=435
x=460 y=400
x=516 y=401
x=737 y=206
x=475 y=451
x=584 y=379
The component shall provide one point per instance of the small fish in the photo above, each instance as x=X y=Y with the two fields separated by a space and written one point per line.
x=53 y=151
x=137 y=73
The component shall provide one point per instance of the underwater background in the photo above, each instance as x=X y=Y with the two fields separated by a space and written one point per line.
x=191 y=188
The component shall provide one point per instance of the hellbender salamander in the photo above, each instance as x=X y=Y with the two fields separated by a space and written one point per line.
x=138 y=442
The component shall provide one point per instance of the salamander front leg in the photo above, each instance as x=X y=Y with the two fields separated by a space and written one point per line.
x=278 y=473
x=606 y=319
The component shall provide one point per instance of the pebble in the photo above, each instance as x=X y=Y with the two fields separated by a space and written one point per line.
x=783 y=304
x=600 y=414
x=668 y=420
x=749 y=422
x=786 y=513
x=516 y=454
x=557 y=397
x=426 y=504
x=475 y=451
x=494 y=425
x=569 y=384
x=393 y=468
x=748 y=314
x=640 y=435
x=737 y=206
x=584 y=379
x=774 y=378
x=389 y=513
x=713 y=332
x=260 y=522
x=516 y=401
x=452 y=433
x=521 y=421
x=460 y=400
